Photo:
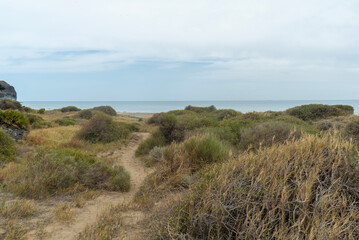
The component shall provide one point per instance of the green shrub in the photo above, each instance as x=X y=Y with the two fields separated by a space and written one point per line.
x=7 y=148
x=12 y=118
x=41 y=111
x=102 y=176
x=101 y=128
x=66 y=121
x=170 y=129
x=70 y=109
x=205 y=149
x=9 y=104
x=37 y=122
x=156 y=140
x=28 y=110
x=226 y=114
x=268 y=133
x=200 y=122
x=156 y=153
x=291 y=191
x=319 y=111
x=85 y=114
x=106 y=109
x=345 y=109
x=352 y=129
x=155 y=119
x=200 y=109
x=53 y=171
x=223 y=133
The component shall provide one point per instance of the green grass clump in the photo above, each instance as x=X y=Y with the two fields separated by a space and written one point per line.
x=170 y=129
x=12 y=118
x=156 y=140
x=70 y=109
x=53 y=171
x=226 y=114
x=179 y=161
x=41 y=111
x=28 y=110
x=319 y=111
x=37 y=122
x=85 y=114
x=106 y=109
x=352 y=129
x=66 y=121
x=268 y=133
x=200 y=109
x=7 y=148
x=290 y=191
x=6 y=104
x=204 y=150
x=102 y=128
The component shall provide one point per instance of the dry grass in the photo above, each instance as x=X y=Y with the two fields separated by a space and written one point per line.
x=18 y=209
x=64 y=136
x=63 y=212
x=305 y=189
x=107 y=226
x=81 y=198
x=51 y=137
x=14 y=230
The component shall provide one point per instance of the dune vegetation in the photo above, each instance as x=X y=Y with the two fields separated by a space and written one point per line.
x=197 y=173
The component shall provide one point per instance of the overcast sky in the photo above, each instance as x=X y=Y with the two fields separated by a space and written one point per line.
x=180 y=49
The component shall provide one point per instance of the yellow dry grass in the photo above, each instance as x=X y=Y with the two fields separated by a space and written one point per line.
x=18 y=209
x=63 y=212
x=304 y=189
x=52 y=137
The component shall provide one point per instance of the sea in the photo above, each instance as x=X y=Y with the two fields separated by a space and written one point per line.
x=164 y=106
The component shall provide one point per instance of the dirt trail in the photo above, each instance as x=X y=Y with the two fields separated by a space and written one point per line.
x=88 y=214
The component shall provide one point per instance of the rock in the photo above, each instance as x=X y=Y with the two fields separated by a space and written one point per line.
x=15 y=133
x=7 y=91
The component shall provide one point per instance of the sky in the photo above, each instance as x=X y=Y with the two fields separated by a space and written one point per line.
x=138 y=50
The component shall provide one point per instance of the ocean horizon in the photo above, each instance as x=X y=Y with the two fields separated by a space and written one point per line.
x=164 y=106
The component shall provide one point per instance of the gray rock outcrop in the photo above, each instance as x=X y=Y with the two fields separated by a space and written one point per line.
x=7 y=91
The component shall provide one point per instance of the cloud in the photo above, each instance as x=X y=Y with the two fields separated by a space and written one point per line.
x=273 y=36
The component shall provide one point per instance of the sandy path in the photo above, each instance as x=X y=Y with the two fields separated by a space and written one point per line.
x=88 y=214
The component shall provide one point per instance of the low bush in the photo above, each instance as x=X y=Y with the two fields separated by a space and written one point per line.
x=226 y=114
x=37 y=122
x=155 y=119
x=102 y=176
x=204 y=150
x=170 y=129
x=102 y=128
x=41 y=111
x=268 y=133
x=156 y=140
x=66 y=121
x=12 y=118
x=352 y=129
x=28 y=110
x=9 y=104
x=291 y=191
x=180 y=160
x=106 y=109
x=70 y=109
x=200 y=122
x=319 y=111
x=53 y=171
x=7 y=148
x=156 y=154
x=85 y=114
x=200 y=109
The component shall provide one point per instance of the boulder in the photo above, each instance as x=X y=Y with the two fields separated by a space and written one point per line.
x=7 y=91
